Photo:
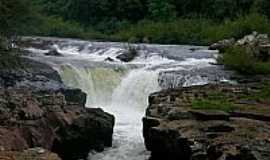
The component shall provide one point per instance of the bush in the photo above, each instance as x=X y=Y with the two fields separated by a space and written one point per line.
x=243 y=60
x=56 y=26
x=198 y=31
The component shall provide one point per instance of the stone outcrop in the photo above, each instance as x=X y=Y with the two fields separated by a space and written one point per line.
x=129 y=55
x=222 y=44
x=259 y=43
x=30 y=154
x=174 y=129
x=37 y=110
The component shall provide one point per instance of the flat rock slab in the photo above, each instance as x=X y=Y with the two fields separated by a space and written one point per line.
x=174 y=130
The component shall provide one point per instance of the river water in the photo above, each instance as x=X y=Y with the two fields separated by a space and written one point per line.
x=122 y=89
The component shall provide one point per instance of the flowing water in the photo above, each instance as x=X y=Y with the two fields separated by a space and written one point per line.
x=122 y=89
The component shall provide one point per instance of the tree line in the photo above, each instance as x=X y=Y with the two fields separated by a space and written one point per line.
x=94 y=18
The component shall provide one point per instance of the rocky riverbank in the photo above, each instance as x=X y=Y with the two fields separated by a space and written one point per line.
x=37 y=110
x=211 y=122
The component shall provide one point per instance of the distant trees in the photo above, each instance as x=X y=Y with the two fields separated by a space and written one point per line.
x=94 y=11
x=161 y=9
x=75 y=17
x=16 y=17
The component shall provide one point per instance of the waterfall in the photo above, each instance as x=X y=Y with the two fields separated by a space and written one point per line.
x=122 y=89
x=99 y=83
x=124 y=93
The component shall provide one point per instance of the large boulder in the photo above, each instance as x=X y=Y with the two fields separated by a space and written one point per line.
x=129 y=55
x=33 y=119
x=53 y=52
x=173 y=129
x=253 y=39
x=37 y=110
x=222 y=45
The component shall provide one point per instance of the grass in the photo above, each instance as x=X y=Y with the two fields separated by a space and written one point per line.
x=217 y=100
x=207 y=104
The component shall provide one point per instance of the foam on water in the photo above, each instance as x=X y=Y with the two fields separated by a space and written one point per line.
x=124 y=92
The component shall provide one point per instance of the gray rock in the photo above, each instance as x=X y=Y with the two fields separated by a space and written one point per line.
x=180 y=132
x=223 y=44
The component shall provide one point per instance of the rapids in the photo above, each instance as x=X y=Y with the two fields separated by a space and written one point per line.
x=123 y=88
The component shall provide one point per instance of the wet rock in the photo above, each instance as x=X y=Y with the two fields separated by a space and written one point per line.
x=128 y=55
x=109 y=59
x=53 y=52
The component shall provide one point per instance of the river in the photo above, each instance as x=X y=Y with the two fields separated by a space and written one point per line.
x=122 y=89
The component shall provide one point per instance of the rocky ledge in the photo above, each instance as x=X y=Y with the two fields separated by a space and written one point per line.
x=212 y=122
x=37 y=110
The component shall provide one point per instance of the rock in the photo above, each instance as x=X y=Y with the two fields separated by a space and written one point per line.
x=93 y=130
x=36 y=111
x=53 y=52
x=247 y=39
x=74 y=96
x=67 y=128
x=210 y=115
x=254 y=39
x=259 y=42
x=223 y=44
x=109 y=59
x=128 y=55
x=264 y=52
x=250 y=115
x=146 y=40
x=32 y=154
x=173 y=129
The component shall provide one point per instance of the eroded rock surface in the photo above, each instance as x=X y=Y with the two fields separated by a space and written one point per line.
x=30 y=154
x=37 y=110
x=174 y=129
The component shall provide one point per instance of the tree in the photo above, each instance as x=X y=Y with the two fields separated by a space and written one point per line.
x=14 y=15
x=161 y=9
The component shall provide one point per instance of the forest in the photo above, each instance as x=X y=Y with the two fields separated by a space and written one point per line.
x=153 y=21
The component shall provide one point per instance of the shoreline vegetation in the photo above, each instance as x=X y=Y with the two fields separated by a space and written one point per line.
x=195 y=31
x=149 y=21
x=190 y=22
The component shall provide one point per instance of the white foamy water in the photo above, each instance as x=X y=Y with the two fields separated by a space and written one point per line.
x=122 y=89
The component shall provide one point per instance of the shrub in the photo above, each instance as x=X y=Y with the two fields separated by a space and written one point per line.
x=243 y=60
x=198 y=31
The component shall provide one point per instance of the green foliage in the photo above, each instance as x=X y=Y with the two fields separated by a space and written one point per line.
x=207 y=104
x=56 y=26
x=172 y=21
x=10 y=61
x=161 y=10
x=194 y=31
x=244 y=60
x=15 y=15
x=215 y=100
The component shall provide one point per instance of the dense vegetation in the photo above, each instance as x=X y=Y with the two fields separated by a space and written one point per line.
x=159 y=21
x=245 y=60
